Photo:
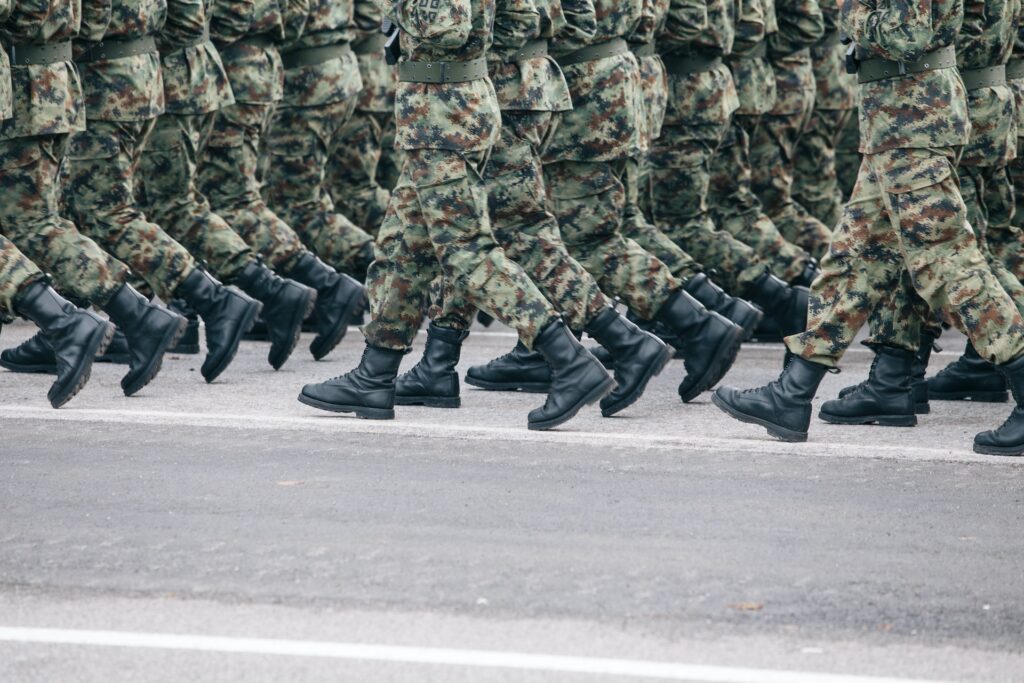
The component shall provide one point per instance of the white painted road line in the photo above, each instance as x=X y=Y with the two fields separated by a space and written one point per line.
x=597 y=666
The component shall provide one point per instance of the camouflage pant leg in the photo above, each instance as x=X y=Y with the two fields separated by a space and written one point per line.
x=772 y=153
x=438 y=214
x=815 y=184
x=737 y=210
x=352 y=170
x=100 y=195
x=1007 y=243
x=299 y=144
x=588 y=200
x=167 y=191
x=906 y=212
x=391 y=158
x=30 y=217
x=977 y=184
x=848 y=155
x=227 y=177
x=680 y=178
x=16 y=273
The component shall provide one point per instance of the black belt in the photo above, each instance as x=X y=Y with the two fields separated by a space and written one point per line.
x=610 y=48
x=117 y=49
x=642 y=50
x=262 y=41
x=532 y=50
x=442 y=72
x=198 y=40
x=29 y=55
x=878 y=69
x=986 y=77
x=311 y=56
x=683 y=65
x=369 y=45
x=1015 y=69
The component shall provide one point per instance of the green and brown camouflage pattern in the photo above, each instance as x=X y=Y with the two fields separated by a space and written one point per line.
x=16 y=273
x=6 y=95
x=752 y=73
x=194 y=78
x=254 y=72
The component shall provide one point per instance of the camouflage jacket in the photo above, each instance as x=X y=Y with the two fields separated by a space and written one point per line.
x=922 y=110
x=986 y=39
x=194 y=78
x=254 y=71
x=6 y=96
x=753 y=74
x=461 y=117
x=653 y=78
x=47 y=98
x=379 y=77
x=1017 y=84
x=800 y=26
x=323 y=22
x=535 y=84
x=654 y=15
x=836 y=89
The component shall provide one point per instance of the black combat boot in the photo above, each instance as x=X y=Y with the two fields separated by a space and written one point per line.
x=518 y=370
x=637 y=356
x=188 y=345
x=714 y=298
x=918 y=386
x=785 y=305
x=484 y=318
x=433 y=381
x=34 y=355
x=783 y=407
x=577 y=379
x=710 y=342
x=805 y=278
x=117 y=352
x=286 y=304
x=149 y=331
x=228 y=314
x=1009 y=438
x=969 y=378
x=339 y=300
x=362 y=262
x=75 y=335
x=368 y=390
x=885 y=398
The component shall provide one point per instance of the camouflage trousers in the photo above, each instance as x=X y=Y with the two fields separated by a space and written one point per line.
x=437 y=226
x=300 y=142
x=848 y=155
x=358 y=170
x=16 y=273
x=680 y=180
x=525 y=228
x=30 y=197
x=815 y=183
x=99 y=193
x=772 y=159
x=1008 y=244
x=228 y=177
x=905 y=227
x=167 y=192
x=737 y=210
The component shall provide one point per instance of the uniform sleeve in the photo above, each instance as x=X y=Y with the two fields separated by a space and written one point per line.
x=580 y=22
x=440 y=23
x=751 y=27
x=231 y=19
x=515 y=22
x=5 y=9
x=96 y=17
x=974 y=24
x=902 y=31
x=296 y=13
x=685 y=21
x=800 y=25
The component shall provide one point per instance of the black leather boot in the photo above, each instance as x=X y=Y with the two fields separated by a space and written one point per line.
x=805 y=278
x=228 y=314
x=918 y=386
x=969 y=378
x=188 y=345
x=339 y=300
x=1009 y=438
x=433 y=381
x=117 y=352
x=637 y=357
x=518 y=370
x=885 y=398
x=484 y=318
x=783 y=407
x=286 y=304
x=714 y=298
x=362 y=262
x=785 y=305
x=34 y=355
x=577 y=379
x=149 y=330
x=710 y=342
x=75 y=335
x=368 y=390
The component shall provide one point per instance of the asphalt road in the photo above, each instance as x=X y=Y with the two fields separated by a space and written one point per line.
x=670 y=543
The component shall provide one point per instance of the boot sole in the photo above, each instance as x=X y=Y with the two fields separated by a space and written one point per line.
x=29 y=369
x=229 y=355
x=880 y=420
x=360 y=411
x=98 y=343
x=296 y=326
x=1009 y=451
x=653 y=370
x=429 y=401
x=171 y=338
x=976 y=396
x=594 y=396
x=524 y=387
x=718 y=368
x=781 y=433
x=321 y=350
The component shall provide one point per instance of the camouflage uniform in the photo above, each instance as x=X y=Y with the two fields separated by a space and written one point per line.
x=773 y=146
x=195 y=86
x=437 y=220
x=815 y=184
x=362 y=170
x=734 y=206
x=321 y=85
x=123 y=97
x=47 y=106
x=906 y=211
x=848 y=153
x=1008 y=244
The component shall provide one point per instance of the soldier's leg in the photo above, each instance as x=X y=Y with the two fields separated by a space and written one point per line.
x=16 y=273
x=848 y=155
x=815 y=183
x=352 y=171
x=1007 y=241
